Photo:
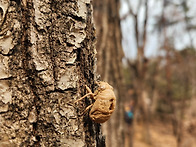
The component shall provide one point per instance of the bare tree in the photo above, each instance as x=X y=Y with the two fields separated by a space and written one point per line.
x=139 y=66
x=107 y=20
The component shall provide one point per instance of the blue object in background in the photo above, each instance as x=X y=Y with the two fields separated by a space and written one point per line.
x=130 y=114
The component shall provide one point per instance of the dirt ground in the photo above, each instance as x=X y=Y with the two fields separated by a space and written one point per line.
x=161 y=136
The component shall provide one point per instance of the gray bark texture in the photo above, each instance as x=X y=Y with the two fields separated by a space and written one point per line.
x=47 y=56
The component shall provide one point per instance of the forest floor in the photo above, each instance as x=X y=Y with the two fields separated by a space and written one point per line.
x=161 y=135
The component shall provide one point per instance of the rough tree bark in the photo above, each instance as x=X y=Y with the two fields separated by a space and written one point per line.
x=47 y=55
x=109 y=66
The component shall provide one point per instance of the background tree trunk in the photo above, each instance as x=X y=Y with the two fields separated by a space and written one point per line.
x=110 y=53
x=47 y=55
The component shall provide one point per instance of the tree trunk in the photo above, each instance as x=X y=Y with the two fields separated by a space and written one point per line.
x=107 y=20
x=47 y=55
